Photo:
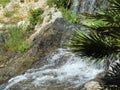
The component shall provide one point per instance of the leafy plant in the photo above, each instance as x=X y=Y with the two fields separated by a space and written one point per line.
x=64 y=6
x=4 y=2
x=69 y=15
x=8 y=13
x=35 y=16
x=16 y=39
x=92 y=45
x=59 y=3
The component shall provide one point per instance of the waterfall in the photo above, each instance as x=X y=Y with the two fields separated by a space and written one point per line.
x=75 y=5
x=89 y=6
x=62 y=70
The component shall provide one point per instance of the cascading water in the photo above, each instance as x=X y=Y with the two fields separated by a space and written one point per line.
x=75 y=5
x=62 y=71
x=87 y=6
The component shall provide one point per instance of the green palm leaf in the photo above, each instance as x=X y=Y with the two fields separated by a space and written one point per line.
x=92 y=45
x=103 y=39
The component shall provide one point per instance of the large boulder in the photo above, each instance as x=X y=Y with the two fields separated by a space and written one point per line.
x=48 y=36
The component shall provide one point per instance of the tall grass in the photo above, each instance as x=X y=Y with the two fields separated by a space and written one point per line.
x=35 y=16
x=4 y=2
x=16 y=39
x=69 y=15
x=8 y=13
x=59 y=3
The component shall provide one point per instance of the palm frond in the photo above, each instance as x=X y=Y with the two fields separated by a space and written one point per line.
x=103 y=40
x=92 y=45
x=115 y=4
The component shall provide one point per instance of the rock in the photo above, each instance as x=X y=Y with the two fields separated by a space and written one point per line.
x=46 y=39
x=22 y=86
x=1 y=37
x=20 y=11
x=1 y=9
x=93 y=85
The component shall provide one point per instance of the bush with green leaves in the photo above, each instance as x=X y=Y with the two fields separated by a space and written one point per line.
x=35 y=16
x=59 y=3
x=64 y=6
x=8 y=13
x=4 y=2
x=69 y=15
x=16 y=40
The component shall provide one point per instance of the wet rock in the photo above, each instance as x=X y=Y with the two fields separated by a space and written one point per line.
x=22 y=85
x=1 y=37
x=46 y=39
x=93 y=85
x=52 y=76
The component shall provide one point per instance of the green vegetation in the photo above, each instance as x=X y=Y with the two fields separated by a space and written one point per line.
x=16 y=39
x=103 y=38
x=35 y=16
x=8 y=13
x=63 y=6
x=4 y=2
x=69 y=15
x=92 y=45
x=59 y=3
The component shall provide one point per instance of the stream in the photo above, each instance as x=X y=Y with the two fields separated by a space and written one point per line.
x=60 y=70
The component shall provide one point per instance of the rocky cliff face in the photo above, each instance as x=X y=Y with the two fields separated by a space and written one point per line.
x=45 y=38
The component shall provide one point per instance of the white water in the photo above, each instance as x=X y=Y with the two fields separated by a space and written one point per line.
x=75 y=5
x=87 y=6
x=61 y=68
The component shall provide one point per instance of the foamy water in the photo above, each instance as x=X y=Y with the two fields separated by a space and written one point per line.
x=62 y=67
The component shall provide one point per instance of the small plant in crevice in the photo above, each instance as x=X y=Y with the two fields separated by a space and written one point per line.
x=8 y=13
x=69 y=15
x=64 y=7
x=59 y=3
x=4 y=2
x=16 y=40
x=34 y=16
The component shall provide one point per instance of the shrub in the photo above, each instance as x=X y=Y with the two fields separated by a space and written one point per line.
x=59 y=3
x=35 y=16
x=8 y=13
x=16 y=39
x=4 y=2
x=69 y=15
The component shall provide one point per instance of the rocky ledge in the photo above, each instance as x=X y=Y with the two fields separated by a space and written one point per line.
x=47 y=37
